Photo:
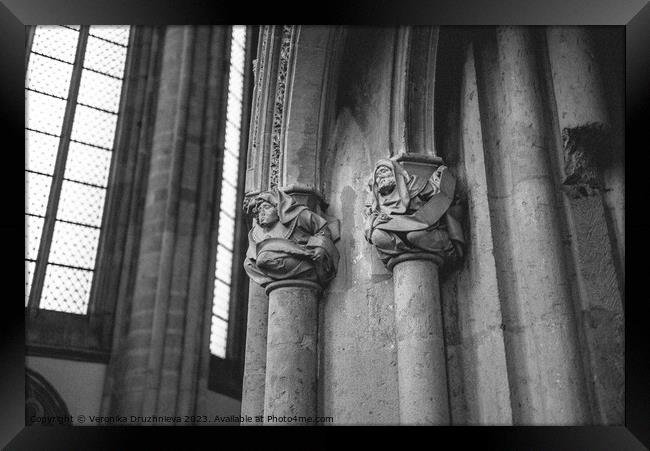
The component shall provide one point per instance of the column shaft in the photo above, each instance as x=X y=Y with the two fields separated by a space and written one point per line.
x=421 y=361
x=544 y=363
x=291 y=355
x=252 y=403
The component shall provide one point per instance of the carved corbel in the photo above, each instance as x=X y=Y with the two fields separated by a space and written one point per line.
x=413 y=210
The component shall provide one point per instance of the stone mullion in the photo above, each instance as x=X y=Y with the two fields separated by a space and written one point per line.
x=544 y=362
x=49 y=222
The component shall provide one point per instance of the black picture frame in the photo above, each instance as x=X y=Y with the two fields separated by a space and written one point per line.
x=633 y=14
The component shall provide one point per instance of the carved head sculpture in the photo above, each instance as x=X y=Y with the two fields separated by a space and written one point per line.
x=385 y=179
x=411 y=213
x=272 y=206
x=266 y=213
x=390 y=180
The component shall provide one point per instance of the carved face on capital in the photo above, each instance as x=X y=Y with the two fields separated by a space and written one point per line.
x=385 y=180
x=266 y=214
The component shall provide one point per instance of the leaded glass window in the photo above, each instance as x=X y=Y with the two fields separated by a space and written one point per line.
x=73 y=88
x=229 y=183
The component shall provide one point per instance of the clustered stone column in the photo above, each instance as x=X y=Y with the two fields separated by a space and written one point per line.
x=412 y=219
x=159 y=362
x=291 y=254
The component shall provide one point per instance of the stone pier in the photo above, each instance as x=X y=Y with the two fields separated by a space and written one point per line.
x=421 y=367
x=291 y=352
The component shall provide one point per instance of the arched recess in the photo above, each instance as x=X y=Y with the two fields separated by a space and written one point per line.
x=357 y=381
x=309 y=87
x=42 y=400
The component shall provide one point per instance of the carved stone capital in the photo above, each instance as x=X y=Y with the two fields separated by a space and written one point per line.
x=413 y=211
x=289 y=242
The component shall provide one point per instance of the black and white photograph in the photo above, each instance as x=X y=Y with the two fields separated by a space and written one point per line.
x=325 y=225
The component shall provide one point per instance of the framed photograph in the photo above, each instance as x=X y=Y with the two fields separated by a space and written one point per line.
x=379 y=215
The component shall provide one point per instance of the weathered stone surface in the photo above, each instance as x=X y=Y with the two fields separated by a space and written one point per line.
x=594 y=223
x=289 y=241
x=291 y=355
x=478 y=377
x=514 y=353
x=544 y=363
x=408 y=212
x=422 y=373
x=252 y=402
x=586 y=152
x=358 y=366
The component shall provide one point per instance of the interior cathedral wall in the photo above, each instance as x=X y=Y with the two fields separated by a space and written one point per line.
x=339 y=120
x=489 y=369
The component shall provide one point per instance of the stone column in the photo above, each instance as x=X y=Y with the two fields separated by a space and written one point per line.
x=413 y=246
x=421 y=367
x=291 y=352
x=252 y=403
x=158 y=364
x=544 y=363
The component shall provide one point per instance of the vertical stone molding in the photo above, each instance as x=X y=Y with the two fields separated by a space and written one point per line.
x=422 y=373
x=545 y=370
x=483 y=353
x=590 y=166
x=291 y=351
x=413 y=220
x=277 y=131
x=159 y=363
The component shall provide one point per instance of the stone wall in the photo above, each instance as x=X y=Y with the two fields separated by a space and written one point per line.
x=358 y=361
x=532 y=319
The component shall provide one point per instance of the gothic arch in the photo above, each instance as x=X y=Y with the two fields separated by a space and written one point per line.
x=41 y=398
